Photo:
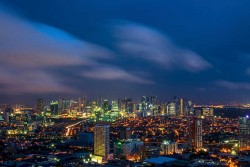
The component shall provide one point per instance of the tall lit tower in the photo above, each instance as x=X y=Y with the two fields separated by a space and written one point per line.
x=105 y=105
x=244 y=137
x=101 y=141
x=79 y=104
x=196 y=134
x=181 y=107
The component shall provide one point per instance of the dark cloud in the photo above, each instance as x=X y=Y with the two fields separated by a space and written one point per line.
x=146 y=43
x=28 y=48
x=194 y=49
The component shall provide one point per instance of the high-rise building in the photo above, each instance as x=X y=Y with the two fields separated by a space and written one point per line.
x=207 y=112
x=115 y=106
x=144 y=105
x=39 y=105
x=244 y=137
x=195 y=134
x=171 y=108
x=124 y=133
x=101 y=141
x=168 y=148
x=79 y=104
x=132 y=149
x=105 y=105
x=181 y=107
x=54 y=108
x=153 y=100
x=7 y=114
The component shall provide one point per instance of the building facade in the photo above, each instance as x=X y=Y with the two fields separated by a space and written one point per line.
x=244 y=137
x=101 y=141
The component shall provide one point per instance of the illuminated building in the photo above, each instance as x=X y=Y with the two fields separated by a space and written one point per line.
x=144 y=105
x=197 y=112
x=171 y=108
x=54 y=108
x=114 y=106
x=196 y=134
x=101 y=141
x=153 y=100
x=7 y=113
x=190 y=107
x=181 y=108
x=132 y=149
x=80 y=104
x=105 y=105
x=39 y=106
x=163 y=109
x=207 y=112
x=244 y=137
x=88 y=108
x=168 y=148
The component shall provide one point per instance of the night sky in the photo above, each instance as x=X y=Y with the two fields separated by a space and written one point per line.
x=196 y=49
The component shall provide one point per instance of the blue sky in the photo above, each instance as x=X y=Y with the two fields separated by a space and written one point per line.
x=196 y=49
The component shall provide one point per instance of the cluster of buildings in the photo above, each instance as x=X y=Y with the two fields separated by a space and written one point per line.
x=92 y=132
x=104 y=110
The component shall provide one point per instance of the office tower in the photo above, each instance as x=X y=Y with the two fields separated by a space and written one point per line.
x=195 y=135
x=181 y=107
x=244 y=137
x=105 y=105
x=130 y=106
x=8 y=111
x=79 y=104
x=197 y=112
x=114 y=106
x=84 y=104
x=207 y=112
x=54 y=108
x=153 y=100
x=101 y=141
x=124 y=133
x=132 y=149
x=39 y=106
x=60 y=106
x=99 y=102
x=88 y=107
x=93 y=106
x=190 y=107
x=171 y=108
x=168 y=148
x=125 y=105
x=144 y=105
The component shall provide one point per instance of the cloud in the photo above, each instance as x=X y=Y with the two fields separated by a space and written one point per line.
x=233 y=85
x=31 y=82
x=29 y=49
x=28 y=44
x=114 y=73
x=146 y=43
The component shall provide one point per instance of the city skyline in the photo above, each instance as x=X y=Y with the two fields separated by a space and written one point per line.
x=197 y=50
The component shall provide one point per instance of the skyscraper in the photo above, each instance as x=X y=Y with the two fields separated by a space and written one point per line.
x=101 y=141
x=244 y=137
x=171 y=108
x=124 y=133
x=196 y=134
x=105 y=105
x=79 y=104
x=39 y=106
x=181 y=107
